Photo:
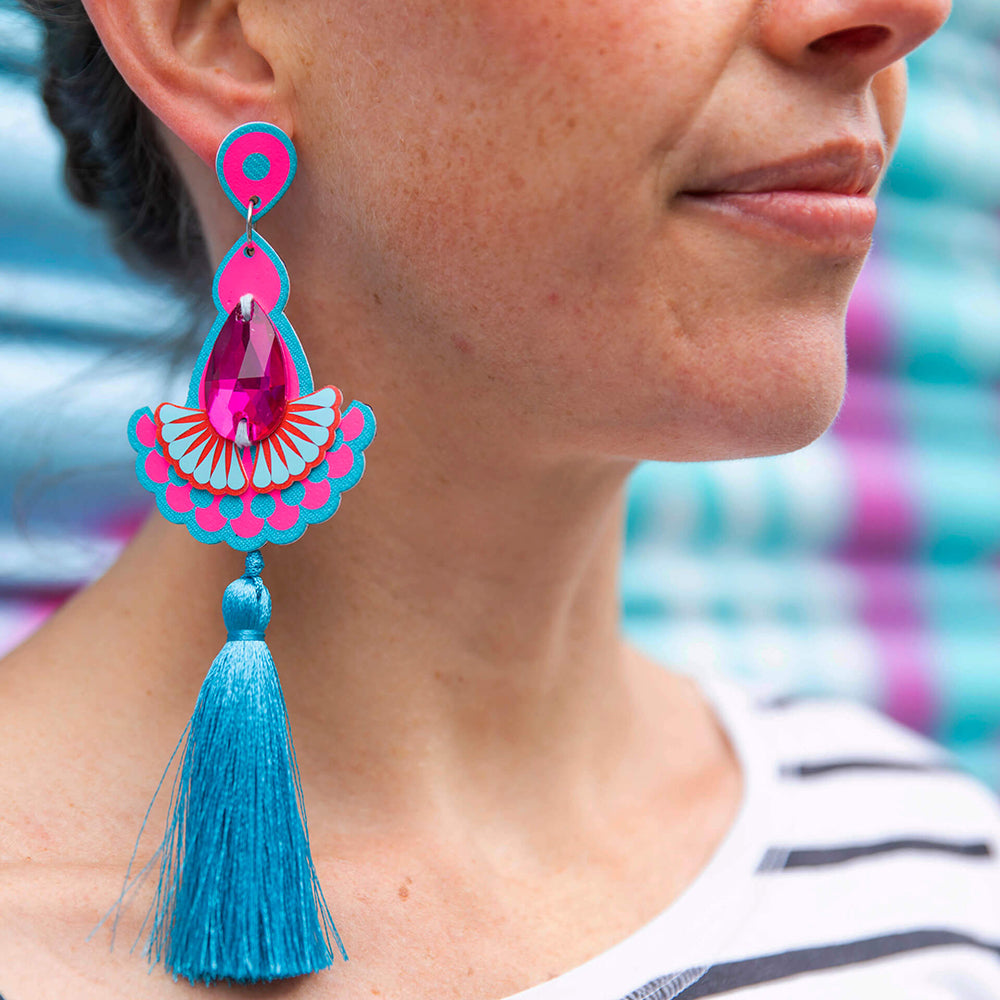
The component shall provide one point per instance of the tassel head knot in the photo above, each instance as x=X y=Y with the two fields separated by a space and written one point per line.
x=246 y=604
x=254 y=563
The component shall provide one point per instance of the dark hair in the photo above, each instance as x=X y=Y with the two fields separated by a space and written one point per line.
x=115 y=162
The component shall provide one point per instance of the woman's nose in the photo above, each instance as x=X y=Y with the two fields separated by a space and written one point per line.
x=849 y=38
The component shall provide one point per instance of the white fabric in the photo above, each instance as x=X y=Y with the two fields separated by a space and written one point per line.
x=910 y=921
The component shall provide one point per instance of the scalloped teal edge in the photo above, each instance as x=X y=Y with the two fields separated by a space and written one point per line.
x=228 y=141
x=338 y=485
x=277 y=315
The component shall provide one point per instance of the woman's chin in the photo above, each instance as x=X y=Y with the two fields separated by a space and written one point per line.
x=771 y=412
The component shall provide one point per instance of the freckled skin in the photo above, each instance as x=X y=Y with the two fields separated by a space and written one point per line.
x=485 y=244
x=519 y=222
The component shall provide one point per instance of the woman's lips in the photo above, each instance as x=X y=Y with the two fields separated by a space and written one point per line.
x=819 y=199
x=826 y=221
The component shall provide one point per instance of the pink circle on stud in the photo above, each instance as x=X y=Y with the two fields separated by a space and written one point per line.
x=352 y=424
x=209 y=518
x=256 y=274
x=145 y=431
x=256 y=145
x=157 y=467
x=316 y=494
x=179 y=498
x=340 y=461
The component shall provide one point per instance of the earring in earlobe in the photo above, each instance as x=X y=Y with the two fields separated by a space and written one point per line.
x=256 y=454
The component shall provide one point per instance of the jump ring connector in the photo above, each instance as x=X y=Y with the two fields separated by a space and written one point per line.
x=251 y=205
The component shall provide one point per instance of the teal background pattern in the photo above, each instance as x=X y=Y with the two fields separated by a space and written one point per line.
x=866 y=564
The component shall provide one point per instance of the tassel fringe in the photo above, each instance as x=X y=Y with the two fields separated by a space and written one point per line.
x=238 y=897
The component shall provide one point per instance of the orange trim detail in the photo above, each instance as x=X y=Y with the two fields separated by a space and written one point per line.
x=283 y=437
x=199 y=423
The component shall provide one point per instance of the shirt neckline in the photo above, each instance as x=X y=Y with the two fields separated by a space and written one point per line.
x=693 y=929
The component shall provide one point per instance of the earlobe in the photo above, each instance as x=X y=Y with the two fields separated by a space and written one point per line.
x=191 y=63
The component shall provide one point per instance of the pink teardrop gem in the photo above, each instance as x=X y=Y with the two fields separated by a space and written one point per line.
x=245 y=376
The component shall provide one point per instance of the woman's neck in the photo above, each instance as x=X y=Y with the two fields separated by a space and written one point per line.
x=450 y=640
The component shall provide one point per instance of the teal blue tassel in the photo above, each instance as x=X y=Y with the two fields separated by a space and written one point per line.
x=238 y=898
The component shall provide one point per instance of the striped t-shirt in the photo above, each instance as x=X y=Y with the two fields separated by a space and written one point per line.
x=862 y=865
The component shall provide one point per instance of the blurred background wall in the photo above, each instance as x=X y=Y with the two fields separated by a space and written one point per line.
x=866 y=564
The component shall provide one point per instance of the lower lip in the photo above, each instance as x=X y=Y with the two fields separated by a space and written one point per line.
x=828 y=222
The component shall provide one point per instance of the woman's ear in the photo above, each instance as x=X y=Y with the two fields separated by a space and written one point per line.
x=193 y=64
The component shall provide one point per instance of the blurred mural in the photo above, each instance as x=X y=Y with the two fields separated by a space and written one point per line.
x=866 y=564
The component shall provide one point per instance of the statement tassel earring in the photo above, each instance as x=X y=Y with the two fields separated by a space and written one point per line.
x=256 y=455
x=238 y=896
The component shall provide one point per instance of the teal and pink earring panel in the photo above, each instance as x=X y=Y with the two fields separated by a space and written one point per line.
x=255 y=161
x=249 y=520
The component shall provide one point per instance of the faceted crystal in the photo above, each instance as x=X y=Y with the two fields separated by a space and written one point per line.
x=245 y=375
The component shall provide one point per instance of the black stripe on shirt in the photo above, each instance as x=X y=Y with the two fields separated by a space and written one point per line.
x=811 y=857
x=778 y=858
x=789 y=698
x=663 y=987
x=767 y=968
x=812 y=769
